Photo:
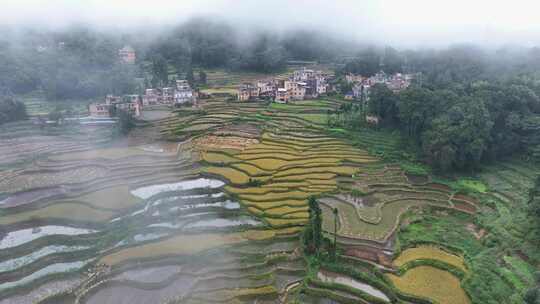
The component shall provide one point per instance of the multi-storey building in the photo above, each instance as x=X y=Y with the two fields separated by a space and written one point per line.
x=352 y=78
x=167 y=95
x=99 y=110
x=266 y=88
x=296 y=89
x=282 y=95
x=247 y=91
x=183 y=93
x=151 y=97
x=129 y=103
x=303 y=74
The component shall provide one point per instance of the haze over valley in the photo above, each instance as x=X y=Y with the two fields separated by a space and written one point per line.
x=221 y=151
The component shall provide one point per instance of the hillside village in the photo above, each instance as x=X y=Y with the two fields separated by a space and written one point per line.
x=301 y=84
x=308 y=84
x=361 y=85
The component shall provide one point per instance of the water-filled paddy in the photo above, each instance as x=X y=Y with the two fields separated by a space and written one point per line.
x=50 y=269
x=19 y=237
x=330 y=277
x=149 y=191
x=15 y=263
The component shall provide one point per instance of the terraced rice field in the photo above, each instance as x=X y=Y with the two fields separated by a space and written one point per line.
x=432 y=283
x=283 y=164
x=294 y=158
x=432 y=253
x=82 y=215
x=206 y=205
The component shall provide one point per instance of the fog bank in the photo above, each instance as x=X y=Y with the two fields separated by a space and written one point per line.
x=411 y=23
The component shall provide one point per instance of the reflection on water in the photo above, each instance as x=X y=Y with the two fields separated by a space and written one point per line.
x=330 y=277
x=148 y=236
x=19 y=237
x=149 y=191
x=229 y=205
x=54 y=268
x=223 y=222
x=27 y=259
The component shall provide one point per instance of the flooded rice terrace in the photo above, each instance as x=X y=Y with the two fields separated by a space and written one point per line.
x=88 y=219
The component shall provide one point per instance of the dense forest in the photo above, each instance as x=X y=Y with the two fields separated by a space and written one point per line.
x=465 y=107
x=75 y=63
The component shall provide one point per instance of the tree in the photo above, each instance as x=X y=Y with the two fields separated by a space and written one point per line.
x=125 y=122
x=160 y=73
x=383 y=103
x=532 y=296
x=313 y=231
x=534 y=198
x=11 y=109
x=458 y=138
x=202 y=77
x=189 y=76
x=416 y=108
x=335 y=212
x=57 y=114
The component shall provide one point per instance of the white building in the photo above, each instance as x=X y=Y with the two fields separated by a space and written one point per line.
x=303 y=74
x=183 y=92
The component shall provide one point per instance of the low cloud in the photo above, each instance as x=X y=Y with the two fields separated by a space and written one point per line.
x=402 y=23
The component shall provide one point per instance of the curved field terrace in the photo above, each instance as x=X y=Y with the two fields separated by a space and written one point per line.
x=208 y=205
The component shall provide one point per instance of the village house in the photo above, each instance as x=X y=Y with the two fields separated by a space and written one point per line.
x=311 y=88
x=266 y=88
x=167 y=95
x=301 y=84
x=151 y=97
x=360 y=91
x=183 y=93
x=296 y=89
x=399 y=82
x=322 y=84
x=247 y=91
x=129 y=103
x=99 y=110
x=127 y=55
x=303 y=74
x=361 y=85
x=352 y=78
x=282 y=95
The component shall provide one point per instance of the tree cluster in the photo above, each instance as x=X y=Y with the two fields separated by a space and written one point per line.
x=11 y=109
x=462 y=109
x=313 y=236
x=532 y=296
x=74 y=64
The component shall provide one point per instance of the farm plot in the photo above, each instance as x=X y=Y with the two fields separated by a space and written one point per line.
x=429 y=252
x=43 y=179
x=432 y=283
x=275 y=176
x=183 y=244
x=65 y=211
